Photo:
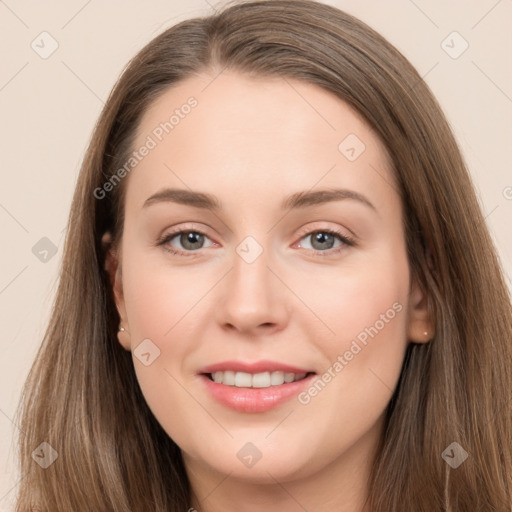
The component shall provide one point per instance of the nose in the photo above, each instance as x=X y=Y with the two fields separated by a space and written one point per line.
x=253 y=299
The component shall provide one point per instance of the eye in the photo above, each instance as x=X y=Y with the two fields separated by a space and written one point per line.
x=323 y=240
x=190 y=241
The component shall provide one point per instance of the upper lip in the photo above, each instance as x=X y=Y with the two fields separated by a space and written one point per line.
x=254 y=367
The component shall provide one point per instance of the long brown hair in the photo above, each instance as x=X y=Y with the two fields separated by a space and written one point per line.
x=82 y=396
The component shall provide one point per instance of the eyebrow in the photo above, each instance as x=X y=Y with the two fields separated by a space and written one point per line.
x=295 y=201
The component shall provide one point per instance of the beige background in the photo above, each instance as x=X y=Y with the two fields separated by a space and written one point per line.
x=49 y=106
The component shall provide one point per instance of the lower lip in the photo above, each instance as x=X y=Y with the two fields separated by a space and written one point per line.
x=254 y=399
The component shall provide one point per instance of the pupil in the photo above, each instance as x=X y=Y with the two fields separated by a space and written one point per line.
x=191 y=238
x=324 y=238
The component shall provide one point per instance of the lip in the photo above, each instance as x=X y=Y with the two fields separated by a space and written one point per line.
x=253 y=400
x=255 y=367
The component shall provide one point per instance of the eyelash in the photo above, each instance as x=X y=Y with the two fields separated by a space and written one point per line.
x=347 y=241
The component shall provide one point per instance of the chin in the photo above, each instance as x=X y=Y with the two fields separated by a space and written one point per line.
x=269 y=467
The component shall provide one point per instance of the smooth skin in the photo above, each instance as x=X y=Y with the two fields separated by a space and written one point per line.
x=252 y=142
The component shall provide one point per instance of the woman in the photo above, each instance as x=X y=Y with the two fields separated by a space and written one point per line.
x=339 y=337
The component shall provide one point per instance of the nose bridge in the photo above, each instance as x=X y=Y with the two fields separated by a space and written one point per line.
x=253 y=295
x=251 y=277
x=251 y=263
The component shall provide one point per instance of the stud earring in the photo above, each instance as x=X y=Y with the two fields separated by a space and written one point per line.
x=122 y=329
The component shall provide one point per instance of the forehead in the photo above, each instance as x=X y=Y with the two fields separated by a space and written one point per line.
x=235 y=132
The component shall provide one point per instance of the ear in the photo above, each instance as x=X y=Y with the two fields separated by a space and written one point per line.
x=420 y=325
x=113 y=268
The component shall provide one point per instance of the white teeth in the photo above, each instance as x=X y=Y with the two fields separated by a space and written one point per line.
x=228 y=378
x=276 y=378
x=256 y=380
x=243 y=380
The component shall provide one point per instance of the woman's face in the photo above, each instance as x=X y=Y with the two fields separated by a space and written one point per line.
x=292 y=261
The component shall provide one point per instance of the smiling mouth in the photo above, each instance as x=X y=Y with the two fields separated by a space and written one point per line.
x=255 y=380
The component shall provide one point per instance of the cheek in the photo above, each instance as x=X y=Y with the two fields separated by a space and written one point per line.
x=362 y=333
x=160 y=307
x=366 y=308
x=159 y=298
x=367 y=292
